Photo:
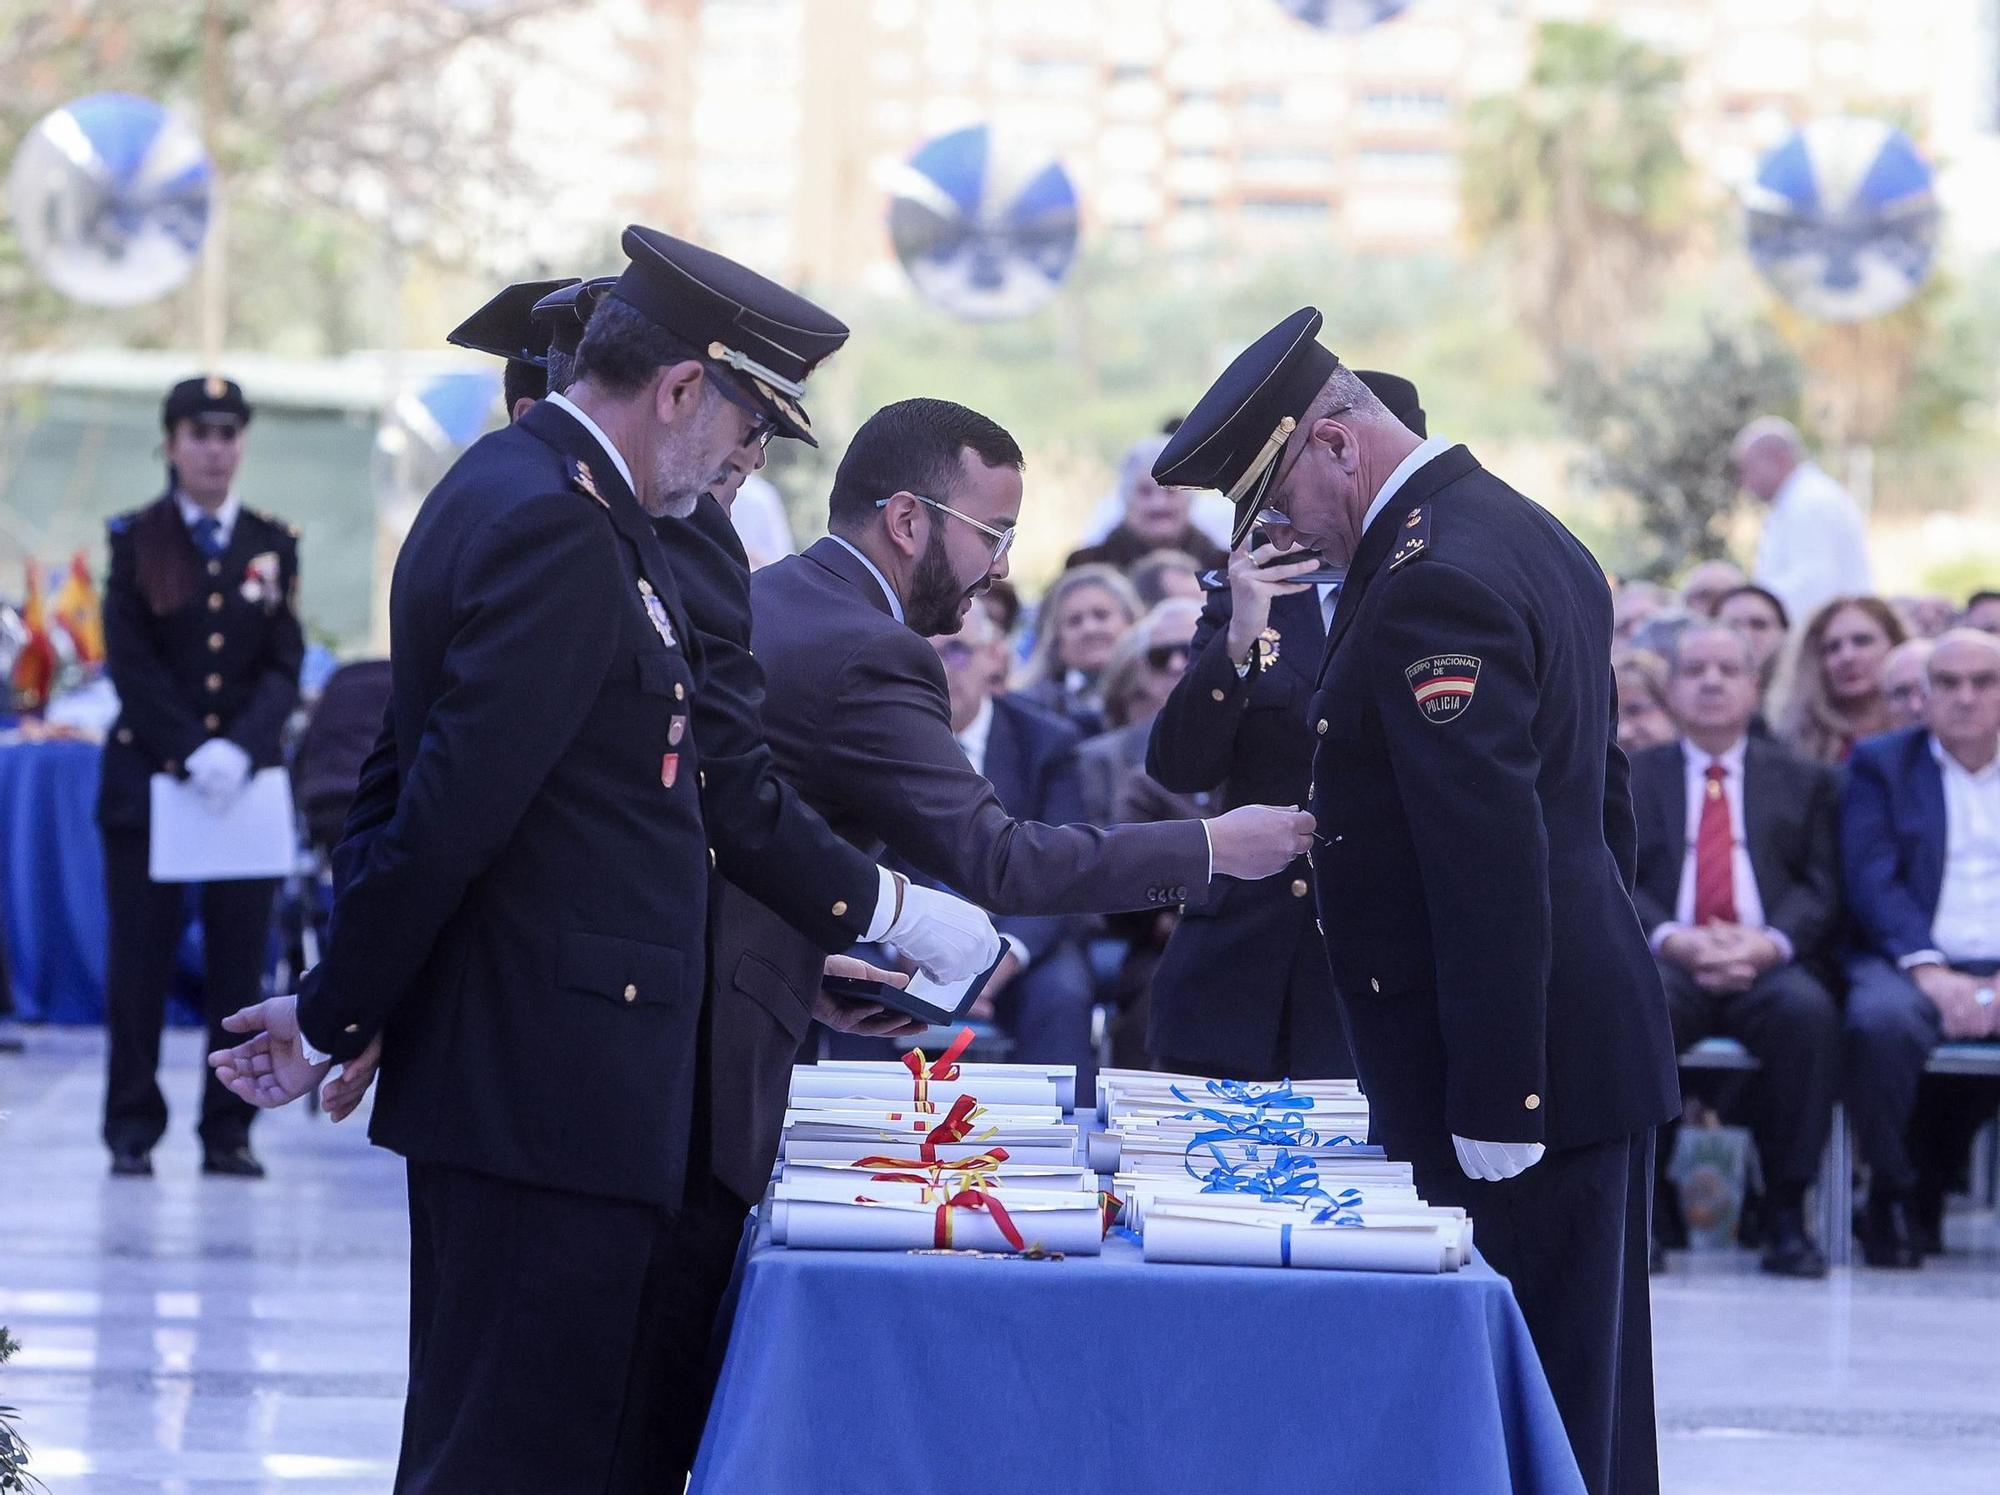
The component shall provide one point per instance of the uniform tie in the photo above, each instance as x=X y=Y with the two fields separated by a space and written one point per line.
x=1714 y=852
x=208 y=536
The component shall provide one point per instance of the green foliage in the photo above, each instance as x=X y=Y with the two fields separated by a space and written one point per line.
x=14 y=1476
x=1658 y=436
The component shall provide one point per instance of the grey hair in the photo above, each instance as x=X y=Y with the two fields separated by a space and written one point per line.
x=1701 y=628
x=1345 y=392
x=1768 y=430
x=1978 y=638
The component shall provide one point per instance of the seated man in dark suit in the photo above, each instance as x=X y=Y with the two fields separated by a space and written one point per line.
x=1739 y=892
x=1920 y=847
x=1042 y=992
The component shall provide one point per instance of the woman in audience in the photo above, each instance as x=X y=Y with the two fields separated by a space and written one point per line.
x=1642 y=699
x=1164 y=574
x=1081 y=621
x=1761 y=618
x=1833 y=695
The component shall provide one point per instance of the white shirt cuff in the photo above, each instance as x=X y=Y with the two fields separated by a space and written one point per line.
x=313 y=1055
x=1209 y=836
x=885 y=906
x=1923 y=958
x=1022 y=954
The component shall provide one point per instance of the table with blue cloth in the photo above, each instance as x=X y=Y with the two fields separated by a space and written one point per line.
x=886 y=1373
x=52 y=880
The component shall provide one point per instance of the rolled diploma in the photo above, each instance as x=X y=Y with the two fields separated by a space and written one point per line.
x=810 y=1223
x=1011 y=1175
x=1025 y=1086
x=1178 y=1234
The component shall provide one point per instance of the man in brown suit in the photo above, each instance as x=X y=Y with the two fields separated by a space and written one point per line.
x=858 y=716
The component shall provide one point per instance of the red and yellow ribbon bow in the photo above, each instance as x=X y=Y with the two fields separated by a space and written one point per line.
x=943 y=1071
x=941 y=1236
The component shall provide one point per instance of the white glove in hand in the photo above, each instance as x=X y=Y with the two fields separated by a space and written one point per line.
x=947 y=936
x=218 y=770
x=1494 y=1161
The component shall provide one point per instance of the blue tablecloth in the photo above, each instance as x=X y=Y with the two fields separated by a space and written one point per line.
x=880 y=1373
x=52 y=880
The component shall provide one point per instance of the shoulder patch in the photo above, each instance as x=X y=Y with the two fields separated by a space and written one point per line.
x=117 y=524
x=581 y=479
x=1413 y=539
x=1444 y=684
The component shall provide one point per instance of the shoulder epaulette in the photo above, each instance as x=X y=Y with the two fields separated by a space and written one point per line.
x=1415 y=538
x=117 y=524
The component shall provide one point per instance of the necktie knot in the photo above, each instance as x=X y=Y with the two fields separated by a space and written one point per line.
x=208 y=535
x=1716 y=774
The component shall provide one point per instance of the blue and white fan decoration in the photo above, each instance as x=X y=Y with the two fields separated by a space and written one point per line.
x=986 y=228
x=110 y=198
x=1843 y=218
x=1344 y=15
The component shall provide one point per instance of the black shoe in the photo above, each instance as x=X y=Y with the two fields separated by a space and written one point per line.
x=1927 y=1220
x=131 y=1162
x=1789 y=1250
x=1884 y=1228
x=232 y=1162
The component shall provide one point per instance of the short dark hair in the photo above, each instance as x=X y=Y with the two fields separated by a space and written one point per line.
x=1984 y=594
x=622 y=349
x=912 y=446
x=523 y=380
x=1751 y=589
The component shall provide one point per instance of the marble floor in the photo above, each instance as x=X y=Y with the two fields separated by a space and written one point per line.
x=211 y=1337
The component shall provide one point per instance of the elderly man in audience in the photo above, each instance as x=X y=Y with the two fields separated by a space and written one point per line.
x=1906 y=683
x=1707 y=584
x=1982 y=611
x=1920 y=850
x=1156 y=518
x=1739 y=892
x=1814 y=546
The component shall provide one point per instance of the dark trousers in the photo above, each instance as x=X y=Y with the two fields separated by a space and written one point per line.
x=1047 y=1009
x=146 y=922
x=1571 y=1235
x=1891 y=1029
x=1790 y=1022
x=558 y=1341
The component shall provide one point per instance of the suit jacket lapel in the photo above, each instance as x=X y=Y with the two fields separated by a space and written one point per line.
x=1759 y=795
x=842 y=562
x=1927 y=785
x=1446 y=468
x=1676 y=805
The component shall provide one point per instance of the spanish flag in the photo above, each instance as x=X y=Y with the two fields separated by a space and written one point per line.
x=77 y=611
x=35 y=666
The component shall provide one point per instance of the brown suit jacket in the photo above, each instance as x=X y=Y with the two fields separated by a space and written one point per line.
x=858 y=718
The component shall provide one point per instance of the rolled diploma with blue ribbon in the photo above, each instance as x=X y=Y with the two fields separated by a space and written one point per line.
x=1218 y=1235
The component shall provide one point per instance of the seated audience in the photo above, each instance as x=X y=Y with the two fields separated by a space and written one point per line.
x=1156 y=518
x=1641 y=678
x=1164 y=574
x=1707 y=584
x=1832 y=695
x=1761 y=618
x=1982 y=611
x=1920 y=850
x=1042 y=992
x=1149 y=664
x=1632 y=604
x=1657 y=634
x=1926 y=616
x=1739 y=893
x=1906 y=683
x=1081 y=621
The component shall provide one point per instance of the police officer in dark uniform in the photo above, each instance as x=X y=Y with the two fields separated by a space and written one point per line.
x=1474 y=856
x=1236 y=721
x=507 y=328
x=203 y=644
x=527 y=930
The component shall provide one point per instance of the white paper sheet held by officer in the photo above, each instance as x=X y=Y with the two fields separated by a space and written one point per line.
x=196 y=840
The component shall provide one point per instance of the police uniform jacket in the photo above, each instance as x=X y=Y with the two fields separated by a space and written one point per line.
x=1475 y=842
x=526 y=929
x=1245 y=963
x=197 y=649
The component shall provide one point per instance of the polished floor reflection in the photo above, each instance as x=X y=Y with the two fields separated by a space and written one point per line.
x=211 y=1337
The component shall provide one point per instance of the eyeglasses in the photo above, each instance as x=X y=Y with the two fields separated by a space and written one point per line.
x=1167 y=657
x=1268 y=515
x=1003 y=539
x=762 y=427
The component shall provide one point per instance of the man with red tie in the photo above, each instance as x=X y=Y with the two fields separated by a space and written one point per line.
x=1738 y=890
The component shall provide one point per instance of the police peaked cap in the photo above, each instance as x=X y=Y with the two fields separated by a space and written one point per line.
x=766 y=339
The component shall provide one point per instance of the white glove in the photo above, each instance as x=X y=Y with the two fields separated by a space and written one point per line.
x=1494 y=1161
x=948 y=937
x=218 y=769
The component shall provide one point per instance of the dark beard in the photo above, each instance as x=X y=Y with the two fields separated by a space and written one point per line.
x=935 y=595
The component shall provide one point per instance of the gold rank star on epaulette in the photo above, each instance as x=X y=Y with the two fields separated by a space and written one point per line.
x=1415 y=538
